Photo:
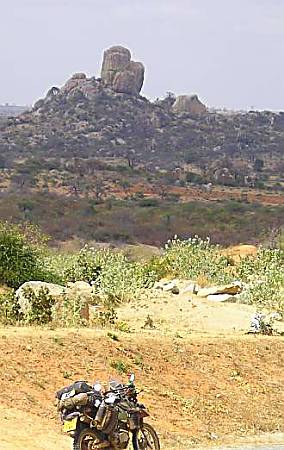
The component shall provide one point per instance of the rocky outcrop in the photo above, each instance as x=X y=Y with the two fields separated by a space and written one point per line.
x=189 y=104
x=115 y=59
x=120 y=73
x=75 y=81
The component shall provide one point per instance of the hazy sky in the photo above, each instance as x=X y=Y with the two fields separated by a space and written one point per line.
x=229 y=52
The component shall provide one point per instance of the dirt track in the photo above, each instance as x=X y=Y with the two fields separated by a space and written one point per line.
x=195 y=386
x=24 y=431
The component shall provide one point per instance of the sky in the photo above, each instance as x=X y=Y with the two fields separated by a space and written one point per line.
x=229 y=52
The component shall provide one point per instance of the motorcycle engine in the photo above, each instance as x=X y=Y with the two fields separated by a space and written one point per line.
x=120 y=439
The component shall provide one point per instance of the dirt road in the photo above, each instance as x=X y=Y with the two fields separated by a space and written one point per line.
x=24 y=431
x=197 y=386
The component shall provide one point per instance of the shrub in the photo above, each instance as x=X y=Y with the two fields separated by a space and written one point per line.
x=9 y=308
x=21 y=255
x=114 y=277
x=107 y=317
x=86 y=265
x=40 y=306
x=265 y=275
x=120 y=366
x=149 y=202
x=192 y=177
x=19 y=259
x=193 y=258
x=68 y=313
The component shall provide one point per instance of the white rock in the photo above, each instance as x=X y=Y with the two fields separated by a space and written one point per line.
x=232 y=289
x=191 y=288
x=167 y=286
x=55 y=290
x=221 y=298
x=170 y=286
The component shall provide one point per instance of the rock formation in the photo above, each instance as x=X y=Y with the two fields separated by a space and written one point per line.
x=189 y=104
x=120 y=73
x=76 y=80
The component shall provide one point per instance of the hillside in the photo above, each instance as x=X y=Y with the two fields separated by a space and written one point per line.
x=198 y=389
x=185 y=322
x=99 y=139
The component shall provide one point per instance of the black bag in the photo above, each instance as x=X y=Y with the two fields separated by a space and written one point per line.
x=80 y=387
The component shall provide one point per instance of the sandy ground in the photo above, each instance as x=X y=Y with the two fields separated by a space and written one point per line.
x=187 y=314
x=204 y=380
x=26 y=431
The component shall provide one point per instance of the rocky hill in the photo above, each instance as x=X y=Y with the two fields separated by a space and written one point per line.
x=98 y=137
x=98 y=118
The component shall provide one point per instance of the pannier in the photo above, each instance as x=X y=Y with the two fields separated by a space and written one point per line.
x=80 y=387
x=73 y=402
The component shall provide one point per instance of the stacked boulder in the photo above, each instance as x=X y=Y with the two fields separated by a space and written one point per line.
x=120 y=73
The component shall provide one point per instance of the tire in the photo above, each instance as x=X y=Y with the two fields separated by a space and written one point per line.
x=84 y=439
x=146 y=438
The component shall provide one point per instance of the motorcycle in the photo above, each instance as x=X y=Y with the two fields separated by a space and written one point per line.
x=109 y=420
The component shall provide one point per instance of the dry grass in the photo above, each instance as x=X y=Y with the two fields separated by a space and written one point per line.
x=194 y=386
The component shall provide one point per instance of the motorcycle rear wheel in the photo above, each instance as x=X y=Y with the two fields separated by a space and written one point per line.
x=146 y=438
x=86 y=439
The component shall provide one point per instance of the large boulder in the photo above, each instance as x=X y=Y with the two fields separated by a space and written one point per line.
x=237 y=252
x=115 y=59
x=130 y=80
x=22 y=294
x=120 y=73
x=80 y=291
x=189 y=104
x=75 y=81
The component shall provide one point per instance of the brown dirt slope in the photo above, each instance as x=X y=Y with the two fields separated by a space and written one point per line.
x=196 y=387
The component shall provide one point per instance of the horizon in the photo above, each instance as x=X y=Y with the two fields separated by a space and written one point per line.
x=229 y=55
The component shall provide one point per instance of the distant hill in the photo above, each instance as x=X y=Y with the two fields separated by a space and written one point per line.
x=12 y=110
x=98 y=138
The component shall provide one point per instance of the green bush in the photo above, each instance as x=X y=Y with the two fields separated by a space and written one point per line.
x=68 y=313
x=19 y=258
x=194 y=258
x=192 y=177
x=149 y=202
x=265 y=277
x=86 y=265
x=9 y=308
x=114 y=277
x=40 y=310
x=120 y=366
x=22 y=250
x=106 y=318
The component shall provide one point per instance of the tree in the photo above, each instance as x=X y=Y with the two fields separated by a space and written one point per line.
x=258 y=165
x=19 y=258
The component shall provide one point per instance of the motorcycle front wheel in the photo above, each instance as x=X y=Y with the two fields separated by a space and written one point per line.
x=86 y=439
x=146 y=438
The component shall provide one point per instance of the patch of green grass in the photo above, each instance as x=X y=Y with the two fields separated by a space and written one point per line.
x=120 y=366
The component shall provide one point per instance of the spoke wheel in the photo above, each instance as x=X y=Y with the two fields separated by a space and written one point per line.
x=87 y=439
x=146 y=438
